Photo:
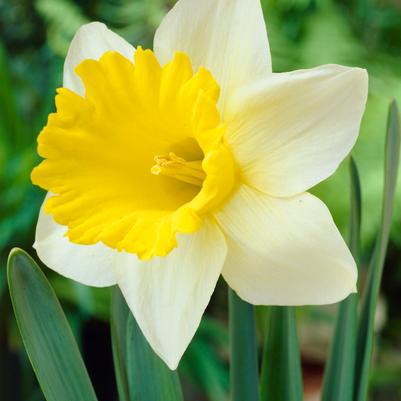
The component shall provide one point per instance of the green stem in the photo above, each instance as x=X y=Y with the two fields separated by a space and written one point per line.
x=243 y=350
x=281 y=378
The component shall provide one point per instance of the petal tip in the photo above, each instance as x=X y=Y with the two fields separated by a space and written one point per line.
x=92 y=25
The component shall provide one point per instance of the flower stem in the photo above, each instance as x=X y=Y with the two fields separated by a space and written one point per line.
x=281 y=378
x=243 y=350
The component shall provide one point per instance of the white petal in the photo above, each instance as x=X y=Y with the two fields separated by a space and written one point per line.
x=228 y=37
x=91 y=41
x=168 y=295
x=290 y=131
x=88 y=264
x=285 y=251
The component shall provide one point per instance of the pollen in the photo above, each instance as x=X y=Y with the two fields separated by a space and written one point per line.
x=137 y=159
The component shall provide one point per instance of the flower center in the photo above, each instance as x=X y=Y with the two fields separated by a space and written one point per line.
x=180 y=169
x=139 y=157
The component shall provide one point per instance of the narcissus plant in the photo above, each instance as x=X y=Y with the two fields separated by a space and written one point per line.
x=167 y=168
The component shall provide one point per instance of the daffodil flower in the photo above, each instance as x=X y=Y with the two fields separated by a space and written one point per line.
x=167 y=168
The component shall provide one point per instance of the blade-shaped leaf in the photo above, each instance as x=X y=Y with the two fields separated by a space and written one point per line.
x=243 y=351
x=46 y=333
x=366 y=323
x=281 y=378
x=149 y=378
x=340 y=369
x=119 y=320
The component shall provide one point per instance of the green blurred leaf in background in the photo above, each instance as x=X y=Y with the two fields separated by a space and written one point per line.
x=339 y=375
x=371 y=293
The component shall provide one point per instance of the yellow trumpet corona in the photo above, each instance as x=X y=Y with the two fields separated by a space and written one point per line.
x=99 y=151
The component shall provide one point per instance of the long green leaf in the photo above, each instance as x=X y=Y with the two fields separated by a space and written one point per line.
x=119 y=320
x=46 y=333
x=340 y=369
x=243 y=351
x=149 y=378
x=281 y=378
x=366 y=324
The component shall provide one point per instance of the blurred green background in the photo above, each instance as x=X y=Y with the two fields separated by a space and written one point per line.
x=34 y=37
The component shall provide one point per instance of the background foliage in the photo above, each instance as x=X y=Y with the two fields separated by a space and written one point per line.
x=34 y=36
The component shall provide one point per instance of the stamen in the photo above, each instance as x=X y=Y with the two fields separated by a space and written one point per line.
x=176 y=167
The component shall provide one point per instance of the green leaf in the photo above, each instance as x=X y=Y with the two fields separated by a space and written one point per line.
x=366 y=323
x=243 y=350
x=47 y=337
x=149 y=378
x=339 y=374
x=119 y=319
x=281 y=378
